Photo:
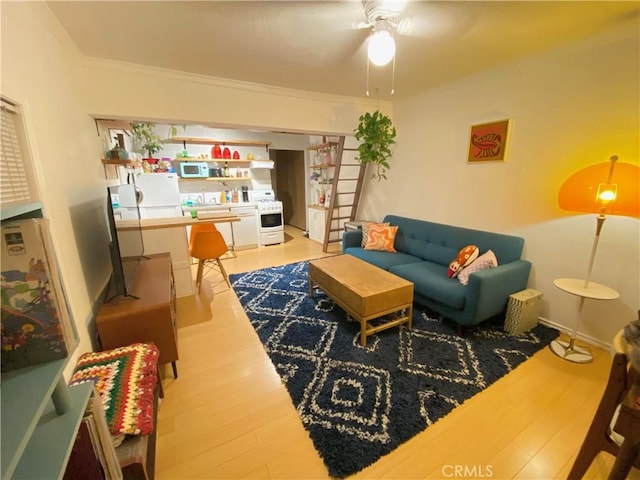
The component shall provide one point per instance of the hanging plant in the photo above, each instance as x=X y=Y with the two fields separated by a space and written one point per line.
x=376 y=134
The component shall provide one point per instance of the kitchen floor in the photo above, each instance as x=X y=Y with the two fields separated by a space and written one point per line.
x=229 y=416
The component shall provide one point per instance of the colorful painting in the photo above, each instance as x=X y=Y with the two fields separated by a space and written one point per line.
x=488 y=141
x=32 y=330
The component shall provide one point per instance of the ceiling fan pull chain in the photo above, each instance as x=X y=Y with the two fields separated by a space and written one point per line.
x=367 y=76
x=393 y=76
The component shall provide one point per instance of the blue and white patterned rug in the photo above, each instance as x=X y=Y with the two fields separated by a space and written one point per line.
x=359 y=403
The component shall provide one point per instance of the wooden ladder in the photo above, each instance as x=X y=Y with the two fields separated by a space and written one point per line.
x=348 y=176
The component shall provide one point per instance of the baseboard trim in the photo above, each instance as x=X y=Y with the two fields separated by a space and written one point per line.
x=585 y=338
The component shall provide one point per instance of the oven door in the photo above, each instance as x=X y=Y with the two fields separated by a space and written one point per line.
x=270 y=221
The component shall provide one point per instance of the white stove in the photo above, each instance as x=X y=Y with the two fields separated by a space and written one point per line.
x=270 y=224
x=270 y=206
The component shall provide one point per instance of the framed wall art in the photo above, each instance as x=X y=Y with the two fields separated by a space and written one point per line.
x=488 y=142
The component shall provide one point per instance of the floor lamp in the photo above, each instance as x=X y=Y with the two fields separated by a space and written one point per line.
x=586 y=191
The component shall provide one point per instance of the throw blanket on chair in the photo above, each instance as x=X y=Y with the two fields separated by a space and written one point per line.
x=125 y=377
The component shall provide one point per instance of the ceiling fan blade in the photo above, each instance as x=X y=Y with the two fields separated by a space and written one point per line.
x=404 y=26
x=360 y=25
x=383 y=9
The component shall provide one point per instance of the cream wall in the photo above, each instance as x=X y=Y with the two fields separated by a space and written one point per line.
x=38 y=66
x=568 y=108
x=115 y=89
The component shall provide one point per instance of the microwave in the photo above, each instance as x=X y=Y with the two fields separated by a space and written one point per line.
x=194 y=169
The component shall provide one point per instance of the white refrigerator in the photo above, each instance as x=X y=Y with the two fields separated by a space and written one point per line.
x=157 y=196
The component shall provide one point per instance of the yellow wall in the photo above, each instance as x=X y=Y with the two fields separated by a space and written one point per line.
x=568 y=108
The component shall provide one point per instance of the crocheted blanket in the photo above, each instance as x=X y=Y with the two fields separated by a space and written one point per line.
x=125 y=377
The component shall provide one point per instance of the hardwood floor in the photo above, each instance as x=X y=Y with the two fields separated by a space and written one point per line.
x=228 y=415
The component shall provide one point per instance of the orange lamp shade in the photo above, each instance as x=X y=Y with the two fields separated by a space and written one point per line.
x=579 y=192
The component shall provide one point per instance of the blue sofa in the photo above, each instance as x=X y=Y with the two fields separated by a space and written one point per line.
x=424 y=251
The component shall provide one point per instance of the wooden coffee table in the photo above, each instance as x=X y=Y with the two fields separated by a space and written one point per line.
x=364 y=291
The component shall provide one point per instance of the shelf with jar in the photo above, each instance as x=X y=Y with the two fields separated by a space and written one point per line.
x=219 y=160
x=115 y=161
x=253 y=163
x=213 y=179
x=323 y=146
x=320 y=195
x=324 y=155
x=213 y=141
x=321 y=166
x=220 y=151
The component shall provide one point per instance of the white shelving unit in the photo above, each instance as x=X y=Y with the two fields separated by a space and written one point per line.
x=324 y=166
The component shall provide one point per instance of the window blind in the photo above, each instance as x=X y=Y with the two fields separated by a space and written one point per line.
x=15 y=173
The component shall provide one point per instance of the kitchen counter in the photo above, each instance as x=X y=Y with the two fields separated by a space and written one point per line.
x=217 y=206
x=170 y=222
x=169 y=234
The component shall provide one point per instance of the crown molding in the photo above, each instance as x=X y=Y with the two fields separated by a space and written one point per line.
x=219 y=82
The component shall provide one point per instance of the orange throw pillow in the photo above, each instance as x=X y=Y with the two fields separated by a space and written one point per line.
x=365 y=231
x=381 y=237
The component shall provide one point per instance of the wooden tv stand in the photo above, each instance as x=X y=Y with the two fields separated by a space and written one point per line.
x=151 y=317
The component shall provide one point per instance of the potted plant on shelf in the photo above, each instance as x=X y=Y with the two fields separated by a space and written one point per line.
x=147 y=140
x=376 y=134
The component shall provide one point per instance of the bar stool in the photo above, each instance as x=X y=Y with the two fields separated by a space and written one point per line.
x=207 y=244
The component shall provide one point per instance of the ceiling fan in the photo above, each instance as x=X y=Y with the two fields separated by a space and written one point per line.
x=382 y=18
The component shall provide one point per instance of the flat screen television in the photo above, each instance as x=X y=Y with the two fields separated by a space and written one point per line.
x=127 y=249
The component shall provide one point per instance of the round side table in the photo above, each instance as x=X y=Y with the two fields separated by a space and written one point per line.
x=594 y=291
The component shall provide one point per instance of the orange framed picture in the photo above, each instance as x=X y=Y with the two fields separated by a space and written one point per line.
x=488 y=142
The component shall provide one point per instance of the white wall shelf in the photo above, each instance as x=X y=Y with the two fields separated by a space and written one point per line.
x=214 y=179
x=213 y=141
x=227 y=160
x=322 y=146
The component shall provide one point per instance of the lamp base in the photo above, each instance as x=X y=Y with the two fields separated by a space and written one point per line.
x=568 y=351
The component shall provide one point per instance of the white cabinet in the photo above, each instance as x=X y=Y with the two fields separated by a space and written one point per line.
x=317 y=223
x=245 y=232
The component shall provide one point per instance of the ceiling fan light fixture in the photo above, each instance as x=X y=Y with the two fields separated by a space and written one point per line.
x=382 y=46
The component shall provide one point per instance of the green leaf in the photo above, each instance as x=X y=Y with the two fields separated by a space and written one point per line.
x=377 y=134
